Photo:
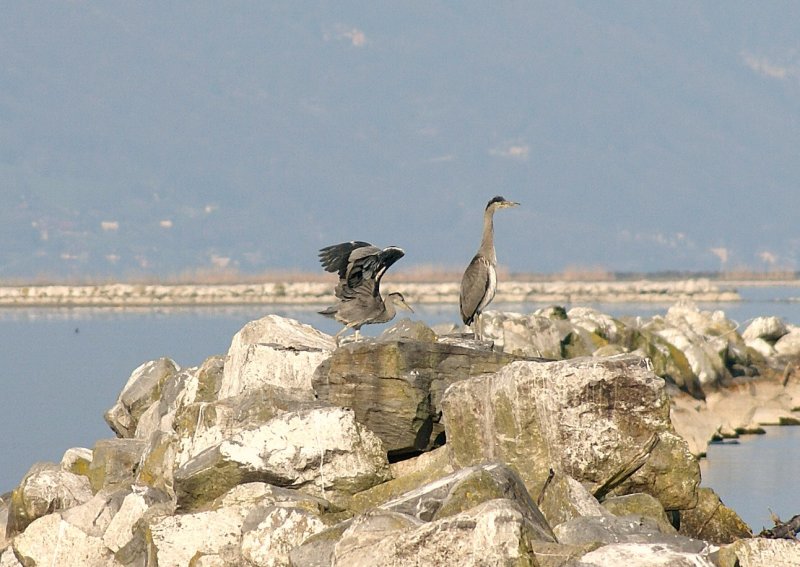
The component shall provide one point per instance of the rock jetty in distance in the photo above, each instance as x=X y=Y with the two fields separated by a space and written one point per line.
x=568 y=438
x=146 y=295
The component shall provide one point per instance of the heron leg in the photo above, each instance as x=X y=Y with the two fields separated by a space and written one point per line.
x=477 y=328
x=357 y=335
x=338 y=335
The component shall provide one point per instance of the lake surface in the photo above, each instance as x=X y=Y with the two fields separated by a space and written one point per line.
x=63 y=368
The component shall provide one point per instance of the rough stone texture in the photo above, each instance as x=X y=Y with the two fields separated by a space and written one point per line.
x=156 y=465
x=8 y=559
x=565 y=499
x=467 y=488
x=642 y=506
x=626 y=529
x=77 y=460
x=532 y=335
x=93 y=516
x=214 y=534
x=586 y=417
x=317 y=550
x=114 y=462
x=709 y=341
x=769 y=329
x=178 y=390
x=205 y=424
x=492 y=533
x=46 y=488
x=53 y=541
x=174 y=540
x=321 y=451
x=593 y=321
x=120 y=530
x=395 y=388
x=642 y=555
x=712 y=521
x=142 y=389
x=277 y=351
x=760 y=552
x=274 y=532
x=408 y=475
x=789 y=344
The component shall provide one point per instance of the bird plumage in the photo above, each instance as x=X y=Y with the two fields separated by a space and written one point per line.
x=479 y=282
x=360 y=267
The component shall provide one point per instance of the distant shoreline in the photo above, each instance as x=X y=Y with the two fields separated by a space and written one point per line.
x=700 y=290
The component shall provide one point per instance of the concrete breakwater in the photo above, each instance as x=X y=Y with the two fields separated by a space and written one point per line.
x=143 y=295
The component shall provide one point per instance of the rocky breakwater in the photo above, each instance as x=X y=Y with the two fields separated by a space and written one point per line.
x=307 y=293
x=278 y=453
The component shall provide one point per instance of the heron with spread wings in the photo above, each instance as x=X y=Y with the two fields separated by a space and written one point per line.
x=479 y=283
x=360 y=267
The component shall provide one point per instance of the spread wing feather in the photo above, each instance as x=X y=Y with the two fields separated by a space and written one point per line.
x=360 y=267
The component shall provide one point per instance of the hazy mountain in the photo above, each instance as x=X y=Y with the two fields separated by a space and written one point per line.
x=161 y=138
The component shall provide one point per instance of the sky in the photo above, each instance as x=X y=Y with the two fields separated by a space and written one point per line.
x=161 y=139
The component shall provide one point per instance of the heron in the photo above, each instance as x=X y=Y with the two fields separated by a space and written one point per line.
x=360 y=267
x=479 y=283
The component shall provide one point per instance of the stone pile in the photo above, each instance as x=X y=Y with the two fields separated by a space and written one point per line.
x=318 y=292
x=412 y=449
x=724 y=381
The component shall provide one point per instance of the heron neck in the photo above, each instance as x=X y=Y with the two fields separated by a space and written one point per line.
x=487 y=240
x=389 y=309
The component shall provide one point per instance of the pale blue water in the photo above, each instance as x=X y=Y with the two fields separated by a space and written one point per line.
x=62 y=368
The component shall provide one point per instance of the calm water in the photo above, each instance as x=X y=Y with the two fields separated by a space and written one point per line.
x=64 y=367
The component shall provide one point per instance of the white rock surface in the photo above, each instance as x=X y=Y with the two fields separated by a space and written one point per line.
x=789 y=344
x=274 y=350
x=53 y=541
x=282 y=528
x=760 y=552
x=321 y=451
x=492 y=533
x=768 y=328
x=641 y=555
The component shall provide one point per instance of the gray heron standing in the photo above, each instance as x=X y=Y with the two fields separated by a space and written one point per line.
x=479 y=283
x=360 y=267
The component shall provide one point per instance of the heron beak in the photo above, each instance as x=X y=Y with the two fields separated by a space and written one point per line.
x=407 y=306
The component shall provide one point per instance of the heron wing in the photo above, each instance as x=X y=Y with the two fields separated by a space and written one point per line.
x=336 y=258
x=360 y=266
x=386 y=258
x=474 y=286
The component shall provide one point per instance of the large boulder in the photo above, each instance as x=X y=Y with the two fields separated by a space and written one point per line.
x=760 y=552
x=467 y=488
x=712 y=521
x=769 y=329
x=46 y=488
x=276 y=351
x=395 y=387
x=142 y=390
x=493 y=533
x=270 y=533
x=530 y=335
x=214 y=536
x=643 y=555
x=51 y=540
x=114 y=462
x=590 y=418
x=201 y=425
x=320 y=451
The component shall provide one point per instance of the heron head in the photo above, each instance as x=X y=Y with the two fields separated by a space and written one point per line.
x=399 y=301
x=500 y=203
